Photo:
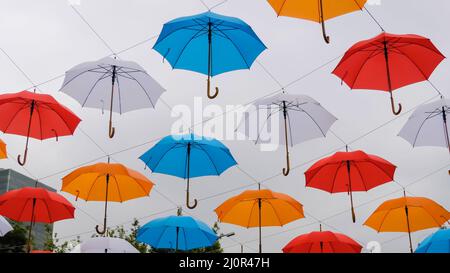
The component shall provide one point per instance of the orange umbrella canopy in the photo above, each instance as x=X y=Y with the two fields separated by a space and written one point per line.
x=423 y=213
x=89 y=183
x=3 y=153
x=316 y=10
x=277 y=209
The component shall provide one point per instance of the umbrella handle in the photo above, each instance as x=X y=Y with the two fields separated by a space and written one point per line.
x=19 y=158
x=209 y=90
x=187 y=201
x=112 y=130
x=325 y=36
x=101 y=232
x=288 y=167
x=396 y=112
x=353 y=215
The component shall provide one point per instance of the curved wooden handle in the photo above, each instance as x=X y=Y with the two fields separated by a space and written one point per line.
x=19 y=158
x=325 y=36
x=101 y=232
x=288 y=167
x=353 y=215
x=112 y=130
x=209 y=91
x=396 y=112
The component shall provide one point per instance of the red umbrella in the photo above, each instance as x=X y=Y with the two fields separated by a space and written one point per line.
x=322 y=242
x=349 y=172
x=35 y=205
x=388 y=62
x=34 y=115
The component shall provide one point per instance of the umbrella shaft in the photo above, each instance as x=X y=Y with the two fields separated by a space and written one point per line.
x=444 y=116
x=31 y=226
x=388 y=70
x=259 y=219
x=409 y=229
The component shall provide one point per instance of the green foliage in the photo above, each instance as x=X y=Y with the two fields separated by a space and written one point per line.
x=52 y=242
x=14 y=241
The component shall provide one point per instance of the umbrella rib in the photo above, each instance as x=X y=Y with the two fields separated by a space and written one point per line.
x=251 y=213
x=179 y=29
x=360 y=175
x=185 y=239
x=40 y=120
x=118 y=188
x=371 y=55
x=162 y=156
x=120 y=97
x=95 y=84
x=14 y=117
x=376 y=165
x=275 y=212
x=195 y=36
x=210 y=159
x=63 y=120
x=335 y=175
x=411 y=61
x=75 y=77
x=145 y=91
x=235 y=46
x=48 y=211
x=23 y=209
x=420 y=129
x=92 y=186
x=290 y=128
x=301 y=110
x=281 y=8
x=265 y=122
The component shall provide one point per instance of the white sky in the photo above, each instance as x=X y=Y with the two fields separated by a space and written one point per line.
x=45 y=38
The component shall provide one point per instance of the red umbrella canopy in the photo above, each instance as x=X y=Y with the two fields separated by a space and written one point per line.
x=367 y=171
x=349 y=172
x=388 y=62
x=322 y=242
x=37 y=116
x=35 y=205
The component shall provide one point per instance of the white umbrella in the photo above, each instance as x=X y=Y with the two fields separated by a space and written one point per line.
x=428 y=125
x=5 y=226
x=122 y=85
x=105 y=245
x=300 y=117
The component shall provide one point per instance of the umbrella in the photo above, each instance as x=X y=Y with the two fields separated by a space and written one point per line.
x=428 y=125
x=258 y=208
x=210 y=44
x=37 y=116
x=3 y=153
x=316 y=10
x=106 y=245
x=322 y=242
x=438 y=242
x=5 y=226
x=125 y=85
x=177 y=232
x=302 y=117
x=188 y=156
x=407 y=214
x=35 y=205
x=92 y=183
x=388 y=62
x=349 y=172
x=41 y=251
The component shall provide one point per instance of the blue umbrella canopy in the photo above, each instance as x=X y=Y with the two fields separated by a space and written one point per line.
x=177 y=232
x=438 y=242
x=188 y=156
x=209 y=43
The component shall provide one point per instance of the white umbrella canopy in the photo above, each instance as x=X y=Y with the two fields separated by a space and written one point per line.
x=429 y=125
x=105 y=245
x=5 y=226
x=300 y=118
x=118 y=85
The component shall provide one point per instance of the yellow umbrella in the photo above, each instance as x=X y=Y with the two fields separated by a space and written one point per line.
x=316 y=10
x=106 y=182
x=407 y=214
x=3 y=153
x=258 y=208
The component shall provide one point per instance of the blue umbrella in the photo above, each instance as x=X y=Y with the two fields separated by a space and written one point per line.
x=210 y=44
x=438 y=242
x=177 y=232
x=188 y=156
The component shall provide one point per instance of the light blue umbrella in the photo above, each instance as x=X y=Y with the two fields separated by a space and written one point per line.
x=177 y=232
x=210 y=44
x=188 y=156
x=438 y=242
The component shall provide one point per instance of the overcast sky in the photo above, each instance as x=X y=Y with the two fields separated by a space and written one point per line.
x=47 y=37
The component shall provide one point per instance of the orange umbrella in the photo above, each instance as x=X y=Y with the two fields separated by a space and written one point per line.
x=3 y=153
x=408 y=214
x=316 y=10
x=92 y=183
x=258 y=208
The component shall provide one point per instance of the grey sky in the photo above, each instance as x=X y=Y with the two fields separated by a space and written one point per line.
x=47 y=37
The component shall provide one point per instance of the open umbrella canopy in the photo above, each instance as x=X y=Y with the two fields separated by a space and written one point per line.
x=37 y=116
x=388 y=62
x=209 y=43
x=106 y=182
x=260 y=208
x=316 y=10
x=118 y=85
x=407 y=214
x=3 y=152
x=5 y=226
x=35 y=205
x=177 y=232
x=188 y=156
x=322 y=242
x=300 y=118
x=106 y=245
x=438 y=242
x=429 y=125
x=349 y=172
